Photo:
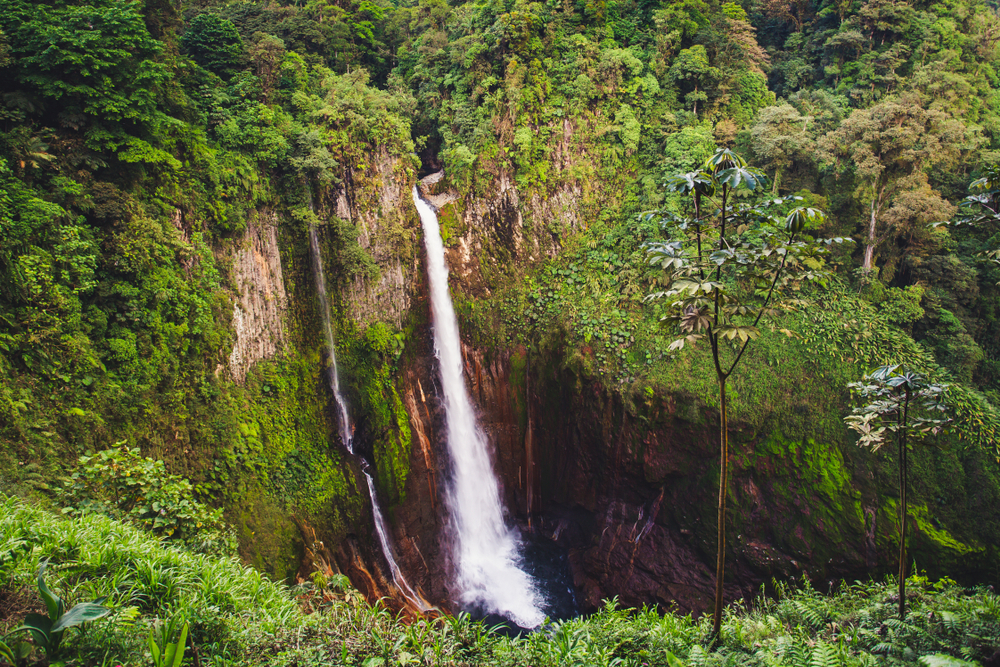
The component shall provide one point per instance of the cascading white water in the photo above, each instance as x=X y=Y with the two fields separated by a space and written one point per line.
x=489 y=575
x=343 y=422
x=347 y=429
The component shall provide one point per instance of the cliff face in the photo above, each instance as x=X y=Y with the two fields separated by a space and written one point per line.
x=380 y=205
x=624 y=479
x=628 y=487
x=261 y=302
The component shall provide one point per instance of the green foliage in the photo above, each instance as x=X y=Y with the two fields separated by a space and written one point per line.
x=164 y=652
x=96 y=64
x=889 y=149
x=903 y=402
x=899 y=400
x=238 y=617
x=122 y=483
x=137 y=145
x=214 y=43
x=47 y=631
x=757 y=258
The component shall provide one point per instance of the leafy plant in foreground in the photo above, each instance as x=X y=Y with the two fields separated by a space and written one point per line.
x=726 y=268
x=164 y=652
x=47 y=631
x=903 y=402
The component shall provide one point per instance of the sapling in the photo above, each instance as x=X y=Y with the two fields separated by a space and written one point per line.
x=900 y=401
x=728 y=266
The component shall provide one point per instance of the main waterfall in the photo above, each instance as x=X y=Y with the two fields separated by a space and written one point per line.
x=347 y=430
x=489 y=573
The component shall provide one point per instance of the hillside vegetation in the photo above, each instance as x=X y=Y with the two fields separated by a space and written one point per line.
x=238 y=617
x=144 y=145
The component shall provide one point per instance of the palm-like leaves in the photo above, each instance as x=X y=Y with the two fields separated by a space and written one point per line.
x=694 y=182
x=724 y=267
x=896 y=399
x=907 y=403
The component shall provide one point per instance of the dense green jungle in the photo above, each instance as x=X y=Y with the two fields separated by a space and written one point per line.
x=173 y=488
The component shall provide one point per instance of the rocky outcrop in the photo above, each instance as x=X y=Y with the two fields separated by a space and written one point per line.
x=497 y=229
x=261 y=301
x=380 y=205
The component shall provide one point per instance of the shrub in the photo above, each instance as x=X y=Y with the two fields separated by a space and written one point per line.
x=124 y=484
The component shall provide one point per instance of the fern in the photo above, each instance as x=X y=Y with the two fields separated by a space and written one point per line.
x=790 y=653
x=824 y=655
x=698 y=657
x=884 y=648
x=951 y=622
x=813 y=613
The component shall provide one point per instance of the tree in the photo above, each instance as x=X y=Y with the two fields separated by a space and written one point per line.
x=796 y=12
x=93 y=65
x=692 y=68
x=726 y=268
x=214 y=43
x=903 y=402
x=781 y=136
x=889 y=149
x=267 y=54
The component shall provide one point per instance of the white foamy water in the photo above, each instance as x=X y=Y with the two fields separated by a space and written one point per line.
x=347 y=429
x=489 y=575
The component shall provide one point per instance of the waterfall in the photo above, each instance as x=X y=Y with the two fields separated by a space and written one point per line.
x=489 y=574
x=347 y=429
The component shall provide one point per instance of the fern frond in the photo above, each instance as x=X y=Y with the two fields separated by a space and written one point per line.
x=824 y=655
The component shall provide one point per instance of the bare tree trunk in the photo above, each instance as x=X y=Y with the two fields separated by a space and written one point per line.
x=720 y=562
x=902 y=510
x=870 y=242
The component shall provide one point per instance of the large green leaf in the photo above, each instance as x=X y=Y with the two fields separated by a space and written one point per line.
x=40 y=628
x=748 y=177
x=52 y=601
x=81 y=613
x=175 y=652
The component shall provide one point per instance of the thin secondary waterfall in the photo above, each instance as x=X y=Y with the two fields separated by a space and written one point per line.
x=489 y=573
x=347 y=429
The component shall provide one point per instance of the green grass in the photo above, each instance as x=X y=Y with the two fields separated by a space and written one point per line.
x=239 y=617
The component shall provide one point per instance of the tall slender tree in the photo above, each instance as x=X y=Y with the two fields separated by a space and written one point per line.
x=904 y=402
x=728 y=266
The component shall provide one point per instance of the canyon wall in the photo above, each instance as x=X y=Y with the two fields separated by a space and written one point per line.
x=624 y=478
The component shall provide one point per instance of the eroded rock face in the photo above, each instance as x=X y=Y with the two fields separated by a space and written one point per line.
x=629 y=489
x=261 y=302
x=387 y=223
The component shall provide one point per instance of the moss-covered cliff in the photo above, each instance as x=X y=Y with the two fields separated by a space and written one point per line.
x=160 y=169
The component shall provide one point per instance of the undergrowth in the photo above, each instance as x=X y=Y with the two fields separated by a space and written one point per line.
x=239 y=617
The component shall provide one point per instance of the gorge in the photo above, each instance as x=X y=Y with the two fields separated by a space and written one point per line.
x=375 y=298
